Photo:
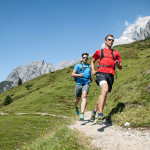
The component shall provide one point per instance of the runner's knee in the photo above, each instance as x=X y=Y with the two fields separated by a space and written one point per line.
x=104 y=91
x=84 y=95
x=77 y=99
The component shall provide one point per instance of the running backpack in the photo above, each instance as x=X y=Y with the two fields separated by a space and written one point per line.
x=102 y=56
x=76 y=78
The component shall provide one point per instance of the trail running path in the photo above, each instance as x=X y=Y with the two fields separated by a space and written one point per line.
x=42 y=114
x=109 y=137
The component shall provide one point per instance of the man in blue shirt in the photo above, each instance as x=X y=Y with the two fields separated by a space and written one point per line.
x=82 y=76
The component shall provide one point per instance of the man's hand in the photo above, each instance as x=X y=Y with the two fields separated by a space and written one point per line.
x=117 y=63
x=94 y=73
x=82 y=74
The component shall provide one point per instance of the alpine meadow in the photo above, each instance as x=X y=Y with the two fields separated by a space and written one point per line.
x=36 y=114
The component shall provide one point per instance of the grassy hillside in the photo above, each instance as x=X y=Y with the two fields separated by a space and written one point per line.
x=54 y=94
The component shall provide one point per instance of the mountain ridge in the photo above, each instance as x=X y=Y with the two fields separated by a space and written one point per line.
x=31 y=71
x=135 y=32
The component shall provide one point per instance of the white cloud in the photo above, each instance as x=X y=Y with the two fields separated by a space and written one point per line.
x=127 y=23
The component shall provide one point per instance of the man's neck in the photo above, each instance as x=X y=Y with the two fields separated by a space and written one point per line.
x=84 y=63
x=107 y=47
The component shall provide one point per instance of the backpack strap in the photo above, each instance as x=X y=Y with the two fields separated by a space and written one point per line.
x=102 y=54
x=83 y=65
x=112 y=54
x=76 y=78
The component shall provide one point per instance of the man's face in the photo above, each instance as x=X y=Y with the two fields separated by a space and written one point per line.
x=84 y=58
x=109 y=41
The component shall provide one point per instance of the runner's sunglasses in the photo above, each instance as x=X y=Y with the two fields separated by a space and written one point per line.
x=85 y=57
x=110 y=40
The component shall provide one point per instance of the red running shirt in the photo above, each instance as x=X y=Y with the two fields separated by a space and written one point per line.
x=107 y=60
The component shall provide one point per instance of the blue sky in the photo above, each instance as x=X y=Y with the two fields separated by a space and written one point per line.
x=57 y=30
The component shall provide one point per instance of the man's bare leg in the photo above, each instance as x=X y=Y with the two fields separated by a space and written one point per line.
x=76 y=104
x=84 y=101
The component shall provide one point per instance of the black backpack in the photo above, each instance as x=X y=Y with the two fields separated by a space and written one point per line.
x=102 y=56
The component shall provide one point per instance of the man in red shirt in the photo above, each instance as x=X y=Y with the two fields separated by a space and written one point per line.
x=107 y=60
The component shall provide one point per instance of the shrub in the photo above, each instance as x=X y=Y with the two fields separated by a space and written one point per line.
x=19 y=81
x=7 y=100
x=28 y=86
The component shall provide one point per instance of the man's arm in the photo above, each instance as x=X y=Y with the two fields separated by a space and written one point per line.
x=93 y=67
x=74 y=74
x=118 y=64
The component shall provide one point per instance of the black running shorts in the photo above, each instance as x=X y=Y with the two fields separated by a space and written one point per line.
x=105 y=77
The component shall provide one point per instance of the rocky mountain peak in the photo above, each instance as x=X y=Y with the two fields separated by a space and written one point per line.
x=135 y=32
x=146 y=32
x=30 y=71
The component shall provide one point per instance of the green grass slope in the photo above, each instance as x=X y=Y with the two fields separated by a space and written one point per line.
x=53 y=93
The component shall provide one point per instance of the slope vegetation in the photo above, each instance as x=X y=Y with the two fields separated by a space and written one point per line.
x=48 y=102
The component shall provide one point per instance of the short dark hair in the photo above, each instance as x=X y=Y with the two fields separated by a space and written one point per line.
x=108 y=36
x=85 y=54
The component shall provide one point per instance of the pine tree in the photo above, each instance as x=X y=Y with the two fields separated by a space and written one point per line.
x=19 y=81
x=7 y=100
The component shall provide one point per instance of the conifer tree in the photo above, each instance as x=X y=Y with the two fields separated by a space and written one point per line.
x=19 y=81
x=7 y=100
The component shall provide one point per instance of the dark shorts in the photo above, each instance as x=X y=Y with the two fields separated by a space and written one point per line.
x=80 y=88
x=109 y=78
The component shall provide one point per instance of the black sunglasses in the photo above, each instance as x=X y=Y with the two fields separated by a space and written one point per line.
x=110 y=40
x=85 y=57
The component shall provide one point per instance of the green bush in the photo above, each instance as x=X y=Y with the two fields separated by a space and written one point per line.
x=7 y=100
x=28 y=86
x=19 y=81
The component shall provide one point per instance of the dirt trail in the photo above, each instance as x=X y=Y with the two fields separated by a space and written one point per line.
x=42 y=114
x=109 y=137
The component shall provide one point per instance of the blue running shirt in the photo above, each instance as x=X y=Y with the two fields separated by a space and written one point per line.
x=83 y=68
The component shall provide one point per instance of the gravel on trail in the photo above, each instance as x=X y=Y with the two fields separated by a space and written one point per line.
x=111 y=137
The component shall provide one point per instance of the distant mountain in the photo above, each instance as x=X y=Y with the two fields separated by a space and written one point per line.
x=66 y=63
x=146 y=32
x=135 y=32
x=6 y=85
x=140 y=30
x=30 y=71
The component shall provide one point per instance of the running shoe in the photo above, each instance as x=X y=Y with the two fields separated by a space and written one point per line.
x=81 y=117
x=93 y=117
x=77 y=111
x=100 y=120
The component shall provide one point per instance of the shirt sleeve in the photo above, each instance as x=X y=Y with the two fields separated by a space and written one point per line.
x=96 y=55
x=76 y=67
x=119 y=58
